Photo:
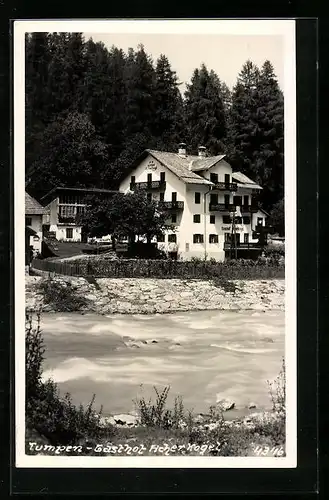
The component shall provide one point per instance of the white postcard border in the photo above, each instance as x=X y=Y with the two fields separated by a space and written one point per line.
x=285 y=28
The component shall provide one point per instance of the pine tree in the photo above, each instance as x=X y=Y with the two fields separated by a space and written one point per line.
x=243 y=132
x=204 y=112
x=167 y=123
x=140 y=81
x=104 y=93
x=270 y=118
x=37 y=57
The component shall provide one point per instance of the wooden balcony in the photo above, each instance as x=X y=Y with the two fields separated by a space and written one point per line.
x=225 y=186
x=147 y=185
x=254 y=207
x=264 y=229
x=66 y=220
x=221 y=207
x=171 y=205
x=242 y=246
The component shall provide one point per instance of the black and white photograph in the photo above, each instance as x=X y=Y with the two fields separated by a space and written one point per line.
x=155 y=301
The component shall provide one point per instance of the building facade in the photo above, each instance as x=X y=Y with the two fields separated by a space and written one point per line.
x=212 y=208
x=34 y=213
x=63 y=206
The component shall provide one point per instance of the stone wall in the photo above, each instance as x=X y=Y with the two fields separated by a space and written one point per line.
x=150 y=296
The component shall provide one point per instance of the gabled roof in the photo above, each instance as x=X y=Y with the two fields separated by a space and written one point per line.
x=244 y=181
x=186 y=167
x=179 y=165
x=199 y=164
x=32 y=206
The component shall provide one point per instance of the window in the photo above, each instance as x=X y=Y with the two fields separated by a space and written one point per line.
x=149 y=178
x=174 y=197
x=227 y=237
x=161 y=238
x=28 y=221
x=197 y=218
x=214 y=178
x=69 y=232
x=213 y=199
x=161 y=196
x=227 y=219
x=197 y=238
x=212 y=219
x=237 y=201
x=227 y=199
x=149 y=197
x=213 y=238
x=174 y=218
x=246 y=238
x=246 y=200
x=246 y=220
x=238 y=220
x=68 y=211
x=227 y=179
x=172 y=238
x=260 y=221
x=197 y=198
x=162 y=176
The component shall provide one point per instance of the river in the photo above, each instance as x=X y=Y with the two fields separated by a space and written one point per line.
x=201 y=355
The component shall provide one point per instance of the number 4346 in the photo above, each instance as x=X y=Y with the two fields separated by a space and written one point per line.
x=266 y=451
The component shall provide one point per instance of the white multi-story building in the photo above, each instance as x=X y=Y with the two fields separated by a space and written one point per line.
x=203 y=195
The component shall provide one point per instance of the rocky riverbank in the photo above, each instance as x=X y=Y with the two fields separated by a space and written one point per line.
x=152 y=296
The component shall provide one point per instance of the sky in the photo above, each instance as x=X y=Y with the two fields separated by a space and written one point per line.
x=225 y=54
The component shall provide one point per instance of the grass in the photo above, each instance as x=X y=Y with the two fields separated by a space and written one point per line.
x=54 y=425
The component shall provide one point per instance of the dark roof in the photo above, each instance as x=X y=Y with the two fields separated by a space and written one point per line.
x=52 y=193
x=32 y=206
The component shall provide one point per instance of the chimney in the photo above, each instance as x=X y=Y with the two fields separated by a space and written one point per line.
x=202 y=151
x=182 y=149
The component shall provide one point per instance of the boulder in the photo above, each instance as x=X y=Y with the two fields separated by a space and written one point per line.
x=225 y=404
x=251 y=406
x=104 y=421
x=125 y=419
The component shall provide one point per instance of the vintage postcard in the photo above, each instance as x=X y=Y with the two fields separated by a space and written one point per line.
x=155 y=243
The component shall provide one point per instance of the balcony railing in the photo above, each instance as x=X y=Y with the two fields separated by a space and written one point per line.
x=66 y=220
x=147 y=185
x=171 y=205
x=226 y=186
x=222 y=207
x=241 y=246
x=266 y=229
x=254 y=207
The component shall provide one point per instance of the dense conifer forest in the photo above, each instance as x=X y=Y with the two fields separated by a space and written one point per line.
x=91 y=110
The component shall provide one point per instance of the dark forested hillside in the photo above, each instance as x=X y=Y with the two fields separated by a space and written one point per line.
x=91 y=110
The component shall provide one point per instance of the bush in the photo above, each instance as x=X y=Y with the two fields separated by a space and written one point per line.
x=55 y=418
x=155 y=414
x=277 y=390
x=62 y=296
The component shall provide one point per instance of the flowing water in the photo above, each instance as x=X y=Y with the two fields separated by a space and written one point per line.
x=203 y=356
